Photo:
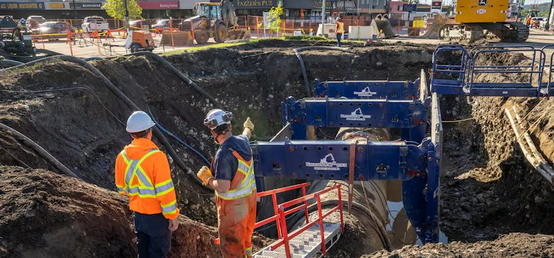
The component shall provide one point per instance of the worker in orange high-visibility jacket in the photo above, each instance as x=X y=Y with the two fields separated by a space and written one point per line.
x=234 y=184
x=142 y=172
x=340 y=31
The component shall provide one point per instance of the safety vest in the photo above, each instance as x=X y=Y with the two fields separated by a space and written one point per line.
x=145 y=188
x=245 y=173
x=340 y=28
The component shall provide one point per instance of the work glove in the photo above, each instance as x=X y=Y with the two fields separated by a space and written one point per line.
x=248 y=124
x=204 y=174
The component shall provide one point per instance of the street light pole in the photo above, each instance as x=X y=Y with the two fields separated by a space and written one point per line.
x=74 y=10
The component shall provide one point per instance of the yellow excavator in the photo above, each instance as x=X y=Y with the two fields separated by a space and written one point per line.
x=479 y=19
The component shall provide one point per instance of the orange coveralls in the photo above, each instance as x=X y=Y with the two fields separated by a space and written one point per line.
x=236 y=212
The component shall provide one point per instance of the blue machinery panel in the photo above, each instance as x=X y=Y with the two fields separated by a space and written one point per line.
x=416 y=160
x=392 y=90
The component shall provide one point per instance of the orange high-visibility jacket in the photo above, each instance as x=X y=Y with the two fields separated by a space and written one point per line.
x=142 y=172
x=340 y=27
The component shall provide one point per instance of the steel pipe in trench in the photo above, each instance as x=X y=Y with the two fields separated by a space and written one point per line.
x=369 y=214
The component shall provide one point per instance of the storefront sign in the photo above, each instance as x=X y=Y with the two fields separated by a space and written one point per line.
x=255 y=4
x=21 y=6
x=436 y=5
x=159 y=5
x=59 y=6
x=87 y=5
x=319 y=4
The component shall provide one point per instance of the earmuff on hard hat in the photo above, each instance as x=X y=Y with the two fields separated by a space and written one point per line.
x=217 y=117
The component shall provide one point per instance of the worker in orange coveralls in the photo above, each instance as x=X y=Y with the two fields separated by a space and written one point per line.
x=234 y=184
x=142 y=172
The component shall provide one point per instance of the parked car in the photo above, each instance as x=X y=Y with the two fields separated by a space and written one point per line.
x=52 y=28
x=542 y=24
x=93 y=23
x=164 y=23
x=34 y=21
x=137 y=23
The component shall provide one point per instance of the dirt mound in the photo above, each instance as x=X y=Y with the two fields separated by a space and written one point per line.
x=506 y=246
x=49 y=215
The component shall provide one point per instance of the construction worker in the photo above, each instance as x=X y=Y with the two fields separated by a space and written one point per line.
x=142 y=172
x=234 y=184
x=340 y=30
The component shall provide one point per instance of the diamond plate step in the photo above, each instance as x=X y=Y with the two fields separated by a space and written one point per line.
x=307 y=244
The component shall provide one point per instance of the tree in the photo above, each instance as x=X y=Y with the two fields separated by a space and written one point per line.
x=116 y=9
x=274 y=18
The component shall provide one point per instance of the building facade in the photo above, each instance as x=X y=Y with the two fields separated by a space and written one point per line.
x=154 y=9
x=78 y=9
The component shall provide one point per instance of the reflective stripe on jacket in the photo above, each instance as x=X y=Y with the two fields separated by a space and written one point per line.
x=142 y=172
x=244 y=182
x=340 y=27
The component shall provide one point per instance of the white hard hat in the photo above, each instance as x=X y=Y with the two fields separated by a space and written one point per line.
x=217 y=117
x=138 y=122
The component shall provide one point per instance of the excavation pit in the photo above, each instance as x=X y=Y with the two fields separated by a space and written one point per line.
x=487 y=187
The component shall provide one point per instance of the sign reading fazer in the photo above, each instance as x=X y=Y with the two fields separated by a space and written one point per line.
x=159 y=5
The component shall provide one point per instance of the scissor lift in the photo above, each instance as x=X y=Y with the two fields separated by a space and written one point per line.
x=412 y=107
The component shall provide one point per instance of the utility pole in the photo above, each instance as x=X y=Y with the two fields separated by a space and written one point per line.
x=358 y=13
x=323 y=19
x=126 y=16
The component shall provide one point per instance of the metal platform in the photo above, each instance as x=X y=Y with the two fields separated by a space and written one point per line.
x=307 y=244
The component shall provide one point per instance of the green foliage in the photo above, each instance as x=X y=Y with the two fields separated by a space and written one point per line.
x=274 y=18
x=116 y=9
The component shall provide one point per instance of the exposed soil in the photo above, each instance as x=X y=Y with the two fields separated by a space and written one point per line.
x=488 y=188
x=510 y=245
x=49 y=215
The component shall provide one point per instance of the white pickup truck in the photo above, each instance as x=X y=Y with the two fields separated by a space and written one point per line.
x=92 y=23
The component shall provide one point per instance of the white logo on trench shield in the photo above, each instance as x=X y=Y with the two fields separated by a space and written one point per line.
x=356 y=115
x=327 y=163
x=365 y=92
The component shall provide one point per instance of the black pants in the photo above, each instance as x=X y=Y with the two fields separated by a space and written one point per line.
x=154 y=237
x=339 y=38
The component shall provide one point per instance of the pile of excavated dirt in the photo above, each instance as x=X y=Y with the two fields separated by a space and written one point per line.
x=487 y=187
x=49 y=215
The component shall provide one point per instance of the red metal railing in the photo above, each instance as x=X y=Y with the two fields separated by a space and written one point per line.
x=282 y=213
x=276 y=215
